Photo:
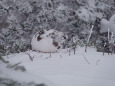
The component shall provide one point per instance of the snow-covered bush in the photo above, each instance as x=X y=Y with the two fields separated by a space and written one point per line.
x=48 y=40
x=102 y=45
x=19 y=19
x=85 y=14
x=108 y=24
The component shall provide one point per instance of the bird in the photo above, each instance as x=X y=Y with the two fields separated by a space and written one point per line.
x=48 y=41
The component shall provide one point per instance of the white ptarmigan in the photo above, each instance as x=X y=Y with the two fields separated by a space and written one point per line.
x=48 y=41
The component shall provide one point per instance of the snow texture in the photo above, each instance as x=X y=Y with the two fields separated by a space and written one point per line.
x=60 y=69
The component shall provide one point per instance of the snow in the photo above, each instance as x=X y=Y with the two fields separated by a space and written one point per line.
x=91 y=31
x=112 y=23
x=60 y=69
x=91 y=3
x=85 y=14
x=61 y=7
x=105 y=24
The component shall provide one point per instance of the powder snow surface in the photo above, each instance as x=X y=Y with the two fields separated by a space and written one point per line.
x=60 y=69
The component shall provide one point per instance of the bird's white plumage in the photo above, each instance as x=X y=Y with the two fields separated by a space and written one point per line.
x=48 y=37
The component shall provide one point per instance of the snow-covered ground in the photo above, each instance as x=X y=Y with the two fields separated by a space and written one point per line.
x=89 y=68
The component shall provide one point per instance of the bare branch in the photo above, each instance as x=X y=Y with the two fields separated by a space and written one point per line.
x=31 y=57
x=85 y=59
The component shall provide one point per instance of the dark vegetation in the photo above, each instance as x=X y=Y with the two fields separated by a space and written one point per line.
x=20 y=19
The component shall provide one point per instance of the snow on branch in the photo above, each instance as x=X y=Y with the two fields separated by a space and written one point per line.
x=108 y=34
x=91 y=31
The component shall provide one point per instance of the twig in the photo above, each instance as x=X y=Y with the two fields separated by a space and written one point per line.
x=49 y=56
x=3 y=60
x=103 y=51
x=69 y=52
x=104 y=48
x=108 y=35
x=75 y=48
x=86 y=47
x=31 y=57
x=86 y=59
x=97 y=62
x=60 y=56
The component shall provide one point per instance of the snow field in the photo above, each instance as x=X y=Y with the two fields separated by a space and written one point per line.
x=60 y=69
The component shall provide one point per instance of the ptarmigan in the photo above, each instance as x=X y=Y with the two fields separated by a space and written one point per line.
x=48 y=41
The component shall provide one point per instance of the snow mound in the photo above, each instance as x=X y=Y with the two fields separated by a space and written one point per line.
x=105 y=24
x=48 y=41
x=112 y=23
